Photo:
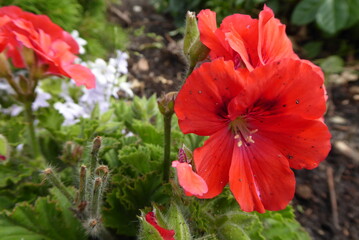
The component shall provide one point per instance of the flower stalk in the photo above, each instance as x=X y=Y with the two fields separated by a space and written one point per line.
x=32 y=139
x=54 y=180
x=166 y=107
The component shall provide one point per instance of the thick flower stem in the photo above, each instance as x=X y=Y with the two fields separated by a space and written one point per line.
x=167 y=146
x=32 y=140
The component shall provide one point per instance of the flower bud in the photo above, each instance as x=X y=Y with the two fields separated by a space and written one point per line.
x=191 y=32
x=166 y=103
x=5 y=70
x=194 y=50
x=4 y=149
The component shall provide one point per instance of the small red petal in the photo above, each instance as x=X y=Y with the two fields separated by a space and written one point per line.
x=165 y=234
x=189 y=180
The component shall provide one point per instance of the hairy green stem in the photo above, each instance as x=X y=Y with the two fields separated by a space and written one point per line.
x=32 y=140
x=167 y=146
x=54 y=180
x=95 y=201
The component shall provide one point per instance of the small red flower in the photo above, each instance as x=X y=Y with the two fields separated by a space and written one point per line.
x=165 y=234
x=54 y=47
x=248 y=42
x=260 y=124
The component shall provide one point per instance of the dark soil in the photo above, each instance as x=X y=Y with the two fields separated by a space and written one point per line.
x=326 y=211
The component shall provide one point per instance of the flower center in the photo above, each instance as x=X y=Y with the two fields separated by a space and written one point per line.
x=241 y=132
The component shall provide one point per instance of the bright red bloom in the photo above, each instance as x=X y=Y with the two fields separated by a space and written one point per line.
x=248 y=42
x=260 y=124
x=54 y=47
x=165 y=234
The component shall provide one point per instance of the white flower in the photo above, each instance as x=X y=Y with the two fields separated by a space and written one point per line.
x=13 y=110
x=71 y=112
x=120 y=62
x=41 y=99
x=80 y=41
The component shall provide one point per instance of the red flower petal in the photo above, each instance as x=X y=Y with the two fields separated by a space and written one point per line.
x=189 y=180
x=165 y=234
x=210 y=36
x=260 y=177
x=305 y=143
x=81 y=75
x=213 y=161
x=200 y=105
x=273 y=42
x=282 y=88
x=54 y=47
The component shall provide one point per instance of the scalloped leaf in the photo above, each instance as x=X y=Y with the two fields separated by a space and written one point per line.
x=128 y=196
x=12 y=172
x=46 y=220
x=281 y=225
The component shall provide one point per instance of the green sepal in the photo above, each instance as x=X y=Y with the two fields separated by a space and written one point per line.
x=147 y=231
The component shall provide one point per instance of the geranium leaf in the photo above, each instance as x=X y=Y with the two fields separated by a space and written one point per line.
x=281 y=225
x=305 y=11
x=333 y=15
x=43 y=221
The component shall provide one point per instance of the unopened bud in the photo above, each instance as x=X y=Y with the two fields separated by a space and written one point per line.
x=191 y=32
x=194 y=50
x=166 y=103
x=5 y=70
x=4 y=149
x=55 y=181
x=185 y=155
x=72 y=153
x=96 y=145
x=102 y=171
x=28 y=56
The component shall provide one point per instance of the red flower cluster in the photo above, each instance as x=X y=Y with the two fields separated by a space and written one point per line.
x=55 y=49
x=261 y=107
x=165 y=234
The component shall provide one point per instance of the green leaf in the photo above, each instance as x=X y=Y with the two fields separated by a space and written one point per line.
x=43 y=221
x=333 y=15
x=128 y=196
x=281 y=225
x=332 y=64
x=353 y=12
x=238 y=225
x=13 y=172
x=312 y=49
x=106 y=116
x=305 y=11
x=147 y=132
x=176 y=221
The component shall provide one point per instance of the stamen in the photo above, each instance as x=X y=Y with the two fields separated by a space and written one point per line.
x=242 y=132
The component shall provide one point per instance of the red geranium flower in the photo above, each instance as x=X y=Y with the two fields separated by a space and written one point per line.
x=54 y=47
x=250 y=43
x=165 y=234
x=260 y=124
